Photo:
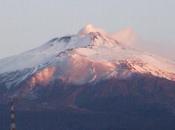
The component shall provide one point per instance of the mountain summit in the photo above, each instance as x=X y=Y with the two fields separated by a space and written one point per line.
x=89 y=29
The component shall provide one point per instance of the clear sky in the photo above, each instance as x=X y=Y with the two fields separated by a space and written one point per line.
x=25 y=24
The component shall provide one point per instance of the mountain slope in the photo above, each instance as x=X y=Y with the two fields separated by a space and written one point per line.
x=57 y=73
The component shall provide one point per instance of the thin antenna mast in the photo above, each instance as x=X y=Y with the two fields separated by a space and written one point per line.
x=12 y=115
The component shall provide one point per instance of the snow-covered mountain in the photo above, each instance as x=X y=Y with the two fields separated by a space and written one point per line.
x=95 y=48
x=88 y=57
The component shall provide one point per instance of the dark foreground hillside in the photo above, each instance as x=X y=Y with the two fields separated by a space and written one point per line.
x=150 y=118
x=139 y=103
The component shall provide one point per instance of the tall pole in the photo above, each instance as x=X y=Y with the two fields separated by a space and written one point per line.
x=12 y=116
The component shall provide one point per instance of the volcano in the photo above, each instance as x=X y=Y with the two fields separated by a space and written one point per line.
x=90 y=72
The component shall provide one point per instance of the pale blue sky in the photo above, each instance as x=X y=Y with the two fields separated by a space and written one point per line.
x=25 y=24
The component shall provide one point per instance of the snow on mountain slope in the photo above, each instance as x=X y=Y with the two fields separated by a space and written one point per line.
x=43 y=54
x=88 y=56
